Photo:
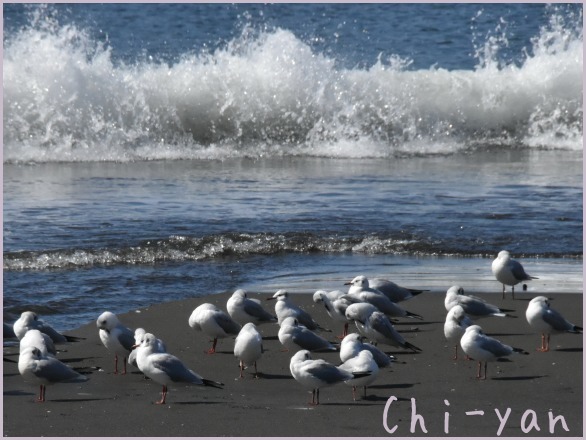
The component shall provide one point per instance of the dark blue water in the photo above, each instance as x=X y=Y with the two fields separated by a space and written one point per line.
x=158 y=152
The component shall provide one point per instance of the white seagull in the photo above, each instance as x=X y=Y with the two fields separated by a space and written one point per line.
x=45 y=370
x=455 y=326
x=509 y=272
x=243 y=309
x=361 y=292
x=248 y=347
x=485 y=349
x=284 y=308
x=353 y=344
x=34 y=338
x=165 y=369
x=139 y=334
x=115 y=337
x=546 y=320
x=295 y=336
x=393 y=291
x=29 y=320
x=335 y=306
x=473 y=306
x=377 y=327
x=364 y=361
x=214 y=322
x=314 y=374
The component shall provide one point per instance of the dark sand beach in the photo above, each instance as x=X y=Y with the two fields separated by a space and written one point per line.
x=532 y=386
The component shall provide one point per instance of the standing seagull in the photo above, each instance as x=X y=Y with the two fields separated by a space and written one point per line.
x=546 y=320
x=115 y=337
x=361 y=292
x=353 y=344
x=315 y=374
x=377 y=327
x=285 y=308
x=473 y=306
x=248 y=347
x=165 y=368
x=364 y=361
x=509 y=272
x=483 y=348
x=45 y=370
x=29 y=320
x=335 y=305
x=214 y=322
x=243 y=309
x=393 y=291
x=295 y=336
x=34 y=338
x=455 y=326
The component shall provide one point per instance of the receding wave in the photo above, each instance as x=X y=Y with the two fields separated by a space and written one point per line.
x=240 y=245
x=268 y=93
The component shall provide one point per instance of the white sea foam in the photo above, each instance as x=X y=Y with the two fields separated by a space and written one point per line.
x=268 y=93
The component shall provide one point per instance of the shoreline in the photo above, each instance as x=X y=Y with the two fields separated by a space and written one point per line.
x=531 y=386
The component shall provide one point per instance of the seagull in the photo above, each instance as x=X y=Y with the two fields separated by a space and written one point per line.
x=546 y=320
x=243 y=309
x=34 y=338
x=295 y=336
x=115 y=337
x=29 y=320
x=214 y=322
x=335 y=306
x=314 y=374
x=483 y=348
x=285 y=308
x=361 y=292
x=456 y=323
x=353 y=344
x=509 y=272
x=138 y=337
x=393 y=291
x=377 y=327
x=164 y=368
x=473 y=306
x=364 y=361
x=45 y=370
x=358 y=312
x=248 y=347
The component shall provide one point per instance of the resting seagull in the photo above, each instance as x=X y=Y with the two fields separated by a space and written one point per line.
x=115 y=337
x=335 y=306
x=214 y=322
x=243 y=309
x=295 y=336
x=473 y=306
x=45 y=370
x=546 y=320
x=314 y=374
x=165 y=369
x=455 y=326
x=286 y=308
x=29 y=320
x=509 y=272
x=485 y=349
x=248 y=347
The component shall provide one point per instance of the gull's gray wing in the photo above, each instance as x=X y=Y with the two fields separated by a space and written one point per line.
x=227 y=323
x=126 y=337
x=557 y=321
x=497 y=348
x=255 y=309
x=308 y=340
x=175 y=369
x=328 y=373
x=53 y=370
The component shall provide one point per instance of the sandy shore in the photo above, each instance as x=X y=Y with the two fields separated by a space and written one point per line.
x=532 y=386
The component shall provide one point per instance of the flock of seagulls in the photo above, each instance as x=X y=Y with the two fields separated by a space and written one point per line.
x=372 y=305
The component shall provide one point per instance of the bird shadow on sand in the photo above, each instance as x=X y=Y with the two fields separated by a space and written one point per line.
x=571 y=350
x=95 y=399
x=392 y=386
x=518 y=378
x=273 y=376
x=195 y=402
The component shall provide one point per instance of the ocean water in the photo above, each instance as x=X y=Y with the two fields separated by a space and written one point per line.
x=154 y=152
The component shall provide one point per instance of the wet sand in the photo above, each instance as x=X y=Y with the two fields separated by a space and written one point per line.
x=532 y=386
